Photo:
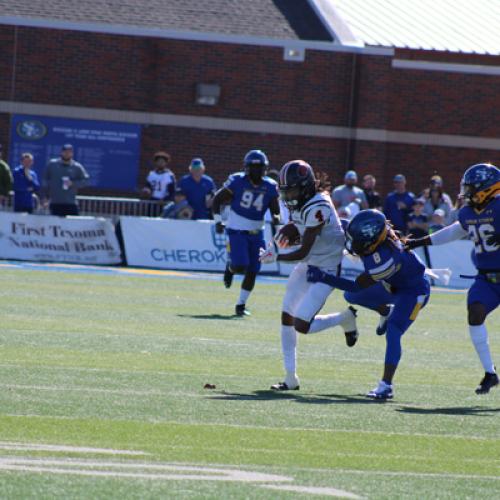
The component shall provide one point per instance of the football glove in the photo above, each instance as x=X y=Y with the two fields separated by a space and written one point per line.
x=268 y=255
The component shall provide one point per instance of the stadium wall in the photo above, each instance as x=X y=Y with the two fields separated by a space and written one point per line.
x=336 y=109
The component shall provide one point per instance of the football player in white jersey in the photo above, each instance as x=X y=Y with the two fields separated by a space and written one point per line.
x=321 y=244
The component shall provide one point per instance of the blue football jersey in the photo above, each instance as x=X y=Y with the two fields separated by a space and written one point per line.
x=479 y=225
x=393 y=265
x=249 y=203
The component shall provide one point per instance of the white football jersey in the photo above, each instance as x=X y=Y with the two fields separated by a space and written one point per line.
x=159 y=183
x=327 y=249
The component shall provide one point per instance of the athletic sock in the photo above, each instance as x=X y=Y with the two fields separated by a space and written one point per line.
x=325 y=321
x=479 y=337
x=244 y=294
x=289 y=348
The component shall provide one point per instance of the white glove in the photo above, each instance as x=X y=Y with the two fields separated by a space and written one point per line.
x=268 y=255
x=441 y=275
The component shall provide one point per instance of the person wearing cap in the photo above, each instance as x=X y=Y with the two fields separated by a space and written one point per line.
x=179 y=208
x=437 y=220
x=5 y=178
x=61 y=180
x=418 y=223
x=25 y=185
x=199 y=189
x=349 y=193
x=399 y=204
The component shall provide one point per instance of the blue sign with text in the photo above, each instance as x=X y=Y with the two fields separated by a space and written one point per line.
x=109 y=151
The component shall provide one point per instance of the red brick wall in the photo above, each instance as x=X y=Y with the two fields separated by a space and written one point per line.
x=328 y=88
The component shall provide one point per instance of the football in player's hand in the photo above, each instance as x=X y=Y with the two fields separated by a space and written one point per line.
x=288 y=235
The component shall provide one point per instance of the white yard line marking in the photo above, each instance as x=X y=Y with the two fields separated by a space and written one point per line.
x=312 y=490
x=162 y=472
x=9 y=445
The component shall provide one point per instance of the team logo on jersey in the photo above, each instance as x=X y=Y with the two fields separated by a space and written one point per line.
x=32 y=130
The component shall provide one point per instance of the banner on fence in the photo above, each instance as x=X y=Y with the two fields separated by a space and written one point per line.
x=177 y=244
x=78 y=240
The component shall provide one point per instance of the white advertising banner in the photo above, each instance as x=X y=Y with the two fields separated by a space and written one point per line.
x=457 y=256
x=177 y=244
x=78 y=240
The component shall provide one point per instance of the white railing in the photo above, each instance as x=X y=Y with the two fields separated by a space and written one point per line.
x=102 y=206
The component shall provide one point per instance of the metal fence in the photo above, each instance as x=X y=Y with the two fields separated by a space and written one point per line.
x=101 y=206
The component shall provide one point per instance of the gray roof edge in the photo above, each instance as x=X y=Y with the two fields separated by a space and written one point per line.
x=129 y=30
x=332 y=20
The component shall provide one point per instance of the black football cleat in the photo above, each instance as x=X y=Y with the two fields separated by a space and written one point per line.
x=489 y=380
x=228 y=277
x=241 y=310
x=283 y=386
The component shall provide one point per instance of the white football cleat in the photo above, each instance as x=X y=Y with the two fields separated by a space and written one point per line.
x=382 y=391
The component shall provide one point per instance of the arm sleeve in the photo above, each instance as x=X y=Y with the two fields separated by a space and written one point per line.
x=82 y=179
x=447 y=234
x=34 y=181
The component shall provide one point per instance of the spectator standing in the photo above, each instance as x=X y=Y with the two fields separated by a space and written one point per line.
x=61 y=180
x=349 y=195
x=199 y=189
x=5 y=178
x=438 y=199
x=399 y=204
x=373 y=198
x=160 y=182
x=25 y=185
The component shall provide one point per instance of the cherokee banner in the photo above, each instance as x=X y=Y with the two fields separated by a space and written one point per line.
x=80 y=240
x=177 y=244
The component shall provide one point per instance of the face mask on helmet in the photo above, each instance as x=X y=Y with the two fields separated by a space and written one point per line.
x=256 y=172
x=291 y=196
x=366 y=232
x=480 y=184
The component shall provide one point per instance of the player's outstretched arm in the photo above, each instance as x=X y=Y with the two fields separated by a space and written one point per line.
x=315 y=275
x=450 y=233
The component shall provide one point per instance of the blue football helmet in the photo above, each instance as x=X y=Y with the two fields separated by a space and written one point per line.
x=480 y=184
x=366 y=231
x=256 y=163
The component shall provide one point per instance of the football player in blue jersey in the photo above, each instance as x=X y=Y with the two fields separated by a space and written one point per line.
x=479 y=219
x=249 y=194
x=402 y=275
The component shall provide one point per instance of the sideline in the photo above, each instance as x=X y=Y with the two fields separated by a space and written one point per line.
x=158 y=273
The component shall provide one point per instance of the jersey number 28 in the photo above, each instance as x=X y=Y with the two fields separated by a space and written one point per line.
x=479 y=235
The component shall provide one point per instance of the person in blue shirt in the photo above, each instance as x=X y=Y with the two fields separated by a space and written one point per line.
x=199 y=189
x=399 y=204
x=25 y=185
x=479 y=219
x=392 y=275
x=249 y=195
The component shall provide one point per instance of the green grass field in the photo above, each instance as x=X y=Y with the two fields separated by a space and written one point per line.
x=102 y=396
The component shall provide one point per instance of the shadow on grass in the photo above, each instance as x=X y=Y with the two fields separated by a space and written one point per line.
x=477 y=411
x=209 y=316
x=313 y=399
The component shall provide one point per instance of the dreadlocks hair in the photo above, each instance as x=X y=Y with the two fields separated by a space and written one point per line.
x=323 y=184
